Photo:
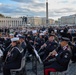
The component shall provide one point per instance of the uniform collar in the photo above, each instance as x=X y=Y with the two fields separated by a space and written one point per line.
x=65 y=47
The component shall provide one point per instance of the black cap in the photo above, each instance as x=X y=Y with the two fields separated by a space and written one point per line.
x=51 y=35
x=22 y=37
x=65 y=39
x=70 y=43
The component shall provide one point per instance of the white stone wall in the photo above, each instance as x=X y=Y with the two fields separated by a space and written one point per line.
x=10 y=22
x=16 y=22
x=68 y=20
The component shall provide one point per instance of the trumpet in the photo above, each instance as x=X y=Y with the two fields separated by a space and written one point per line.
x=42 y=47
x=50 y=54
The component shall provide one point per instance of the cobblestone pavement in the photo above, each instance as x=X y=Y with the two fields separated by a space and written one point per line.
x=71 y=70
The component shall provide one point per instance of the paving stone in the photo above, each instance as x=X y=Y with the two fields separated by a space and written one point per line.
x=71 y=69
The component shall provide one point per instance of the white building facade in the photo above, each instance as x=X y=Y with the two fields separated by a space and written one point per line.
x=10 y=22
x=68 y=20
x=18 y=22
x=39 y=21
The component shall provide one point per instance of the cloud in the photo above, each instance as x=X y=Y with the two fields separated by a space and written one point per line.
x=55 y=14
x=9 y=9
x=21 y=10
x=57 y=8
x=28 y=1
x=65 y=10
x=63 y=2
x=22 y=1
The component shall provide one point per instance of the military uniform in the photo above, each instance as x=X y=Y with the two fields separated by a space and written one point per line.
x=29 y=43
x=39 y=43
x=59 y=62
x=23 y=44
x=7 y=42
x=73 y=54
x=2 y=40
x=13 y=58
x=49 y=48
x=12 y=61
x=46 y=38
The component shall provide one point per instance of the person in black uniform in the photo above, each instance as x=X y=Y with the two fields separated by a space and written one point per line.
x=61 y=58
x=66 y=29
x=39 y=41
x=29 y=43
x=47 y=47
x=7 y=45
x=73 y=48
x=13 y=57
x=23 y=43
x=7 y=41
x=50 y=29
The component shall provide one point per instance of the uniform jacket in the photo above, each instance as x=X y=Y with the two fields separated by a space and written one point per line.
x=13 y=58
x=61 y=62
x=49 y=48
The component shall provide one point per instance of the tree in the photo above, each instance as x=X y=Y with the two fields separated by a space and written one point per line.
x=1 y=15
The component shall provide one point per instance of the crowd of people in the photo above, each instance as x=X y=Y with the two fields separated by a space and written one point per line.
x=55 y=46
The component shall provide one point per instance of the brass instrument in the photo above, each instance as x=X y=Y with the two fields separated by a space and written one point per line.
x=51 y=53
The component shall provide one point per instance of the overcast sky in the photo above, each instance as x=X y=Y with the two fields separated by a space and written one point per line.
x=57 y=8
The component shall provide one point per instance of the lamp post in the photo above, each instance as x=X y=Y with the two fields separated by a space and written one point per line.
x=47 y=12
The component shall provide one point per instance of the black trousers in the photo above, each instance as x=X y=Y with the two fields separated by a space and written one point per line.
x=6 y=71
x=8 y=67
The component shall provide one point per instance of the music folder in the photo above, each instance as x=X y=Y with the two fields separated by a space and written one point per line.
x=37 y=56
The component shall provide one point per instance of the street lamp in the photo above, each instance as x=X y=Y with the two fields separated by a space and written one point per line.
x=47 y=12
